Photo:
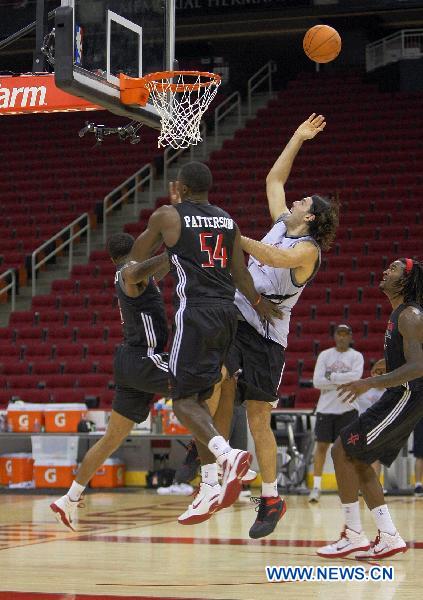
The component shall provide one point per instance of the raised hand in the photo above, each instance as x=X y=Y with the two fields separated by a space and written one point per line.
x=311 y=127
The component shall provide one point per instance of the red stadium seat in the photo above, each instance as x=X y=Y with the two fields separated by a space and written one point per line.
x=33 y=350
x=94 y=380
x=10 y=366
x=45 y=368
x=66 y=395
x=68 y=350
x=60 y=381
x=77 y=367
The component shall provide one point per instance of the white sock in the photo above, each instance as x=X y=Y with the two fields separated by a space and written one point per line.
x=317 y=482
x=218 y=446
x=352 y=516
x=383 y=520
x=209 y=474
x=269 y=490
x=75 y=491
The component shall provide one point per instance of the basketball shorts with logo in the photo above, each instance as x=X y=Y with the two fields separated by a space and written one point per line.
x=260 y=363
x=329 y=425
x=138 y=378
x=383 y=429
x=202 y=336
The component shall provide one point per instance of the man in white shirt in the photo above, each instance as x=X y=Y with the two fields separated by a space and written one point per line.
x=340 y=364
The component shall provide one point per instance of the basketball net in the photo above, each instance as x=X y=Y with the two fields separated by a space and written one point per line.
x=180 y=98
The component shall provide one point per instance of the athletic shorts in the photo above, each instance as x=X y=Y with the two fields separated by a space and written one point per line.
x=383 y=429
x=418 y=440
x=259 y=362
x=138 y=378
x=202 y=337
x=329 y=425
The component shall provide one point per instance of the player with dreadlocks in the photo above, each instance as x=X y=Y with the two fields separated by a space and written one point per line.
x=381 y=431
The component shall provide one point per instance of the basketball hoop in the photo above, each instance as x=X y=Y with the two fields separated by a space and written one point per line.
x=180 y=97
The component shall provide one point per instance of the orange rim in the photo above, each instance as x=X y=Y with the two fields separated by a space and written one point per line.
x=154 y=80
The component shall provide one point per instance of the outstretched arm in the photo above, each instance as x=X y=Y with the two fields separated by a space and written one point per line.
x=410 y=325
x=301 y=255
x=244 y=282
x=279 y=173
x=137 y=272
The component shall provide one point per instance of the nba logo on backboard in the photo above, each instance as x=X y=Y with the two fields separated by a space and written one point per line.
x=78 y=44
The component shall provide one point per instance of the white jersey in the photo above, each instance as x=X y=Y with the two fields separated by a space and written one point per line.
x=276 y=283
x=333 y=368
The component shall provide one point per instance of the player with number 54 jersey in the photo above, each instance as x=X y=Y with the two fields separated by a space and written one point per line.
x=206 y=259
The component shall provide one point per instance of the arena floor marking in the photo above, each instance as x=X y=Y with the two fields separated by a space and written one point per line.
x=10 y=595
x=127 y=539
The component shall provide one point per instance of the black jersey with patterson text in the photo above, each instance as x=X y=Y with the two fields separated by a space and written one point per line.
x=201 y=258
x=143 y=318
x=394 y=344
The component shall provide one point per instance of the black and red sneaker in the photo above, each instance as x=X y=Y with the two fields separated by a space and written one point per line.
x=269 y=512
x=189 y=468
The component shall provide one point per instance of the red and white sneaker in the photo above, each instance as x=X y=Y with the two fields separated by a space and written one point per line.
x=235 y=467
x=203 y=506
x=384 y=545
x=65 y=510
x=350 y=542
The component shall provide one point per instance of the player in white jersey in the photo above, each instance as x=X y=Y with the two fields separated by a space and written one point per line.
x=281 y=266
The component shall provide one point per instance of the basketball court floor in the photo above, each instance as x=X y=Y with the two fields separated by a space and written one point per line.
x=130 y=545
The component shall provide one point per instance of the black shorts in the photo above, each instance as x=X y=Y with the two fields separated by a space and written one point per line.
x=202 y=337
x=418 y=440
x=329 y=425
x=138 y=378
x=260 y=363
x=381 y=431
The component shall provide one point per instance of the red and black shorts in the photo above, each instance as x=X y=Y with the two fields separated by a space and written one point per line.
x=383 y=429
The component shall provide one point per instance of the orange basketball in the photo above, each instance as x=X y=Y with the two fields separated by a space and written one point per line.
x=322 y=43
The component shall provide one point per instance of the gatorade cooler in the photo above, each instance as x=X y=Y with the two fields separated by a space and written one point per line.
x=110 y=475
x=54 y=473
x=24 y=417
x=21 y=467
x=5 y=469
x=63 y=418
x=171 y=425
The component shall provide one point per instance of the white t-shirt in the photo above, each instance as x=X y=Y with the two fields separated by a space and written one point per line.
x=369 y=398
x=343 y=367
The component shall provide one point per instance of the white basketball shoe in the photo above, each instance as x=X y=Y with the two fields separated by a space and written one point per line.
x=65 y=510
x=384 y=545
x=350 y=542
x=235 y=468
x=203 y=506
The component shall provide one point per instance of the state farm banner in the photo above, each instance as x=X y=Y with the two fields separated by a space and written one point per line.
x=37 y=94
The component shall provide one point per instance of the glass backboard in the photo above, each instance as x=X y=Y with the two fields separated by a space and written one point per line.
x=134 y=37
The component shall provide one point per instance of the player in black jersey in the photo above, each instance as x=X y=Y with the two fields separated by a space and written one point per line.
x=383 y=429
x=203 y=244
x=140 y=367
